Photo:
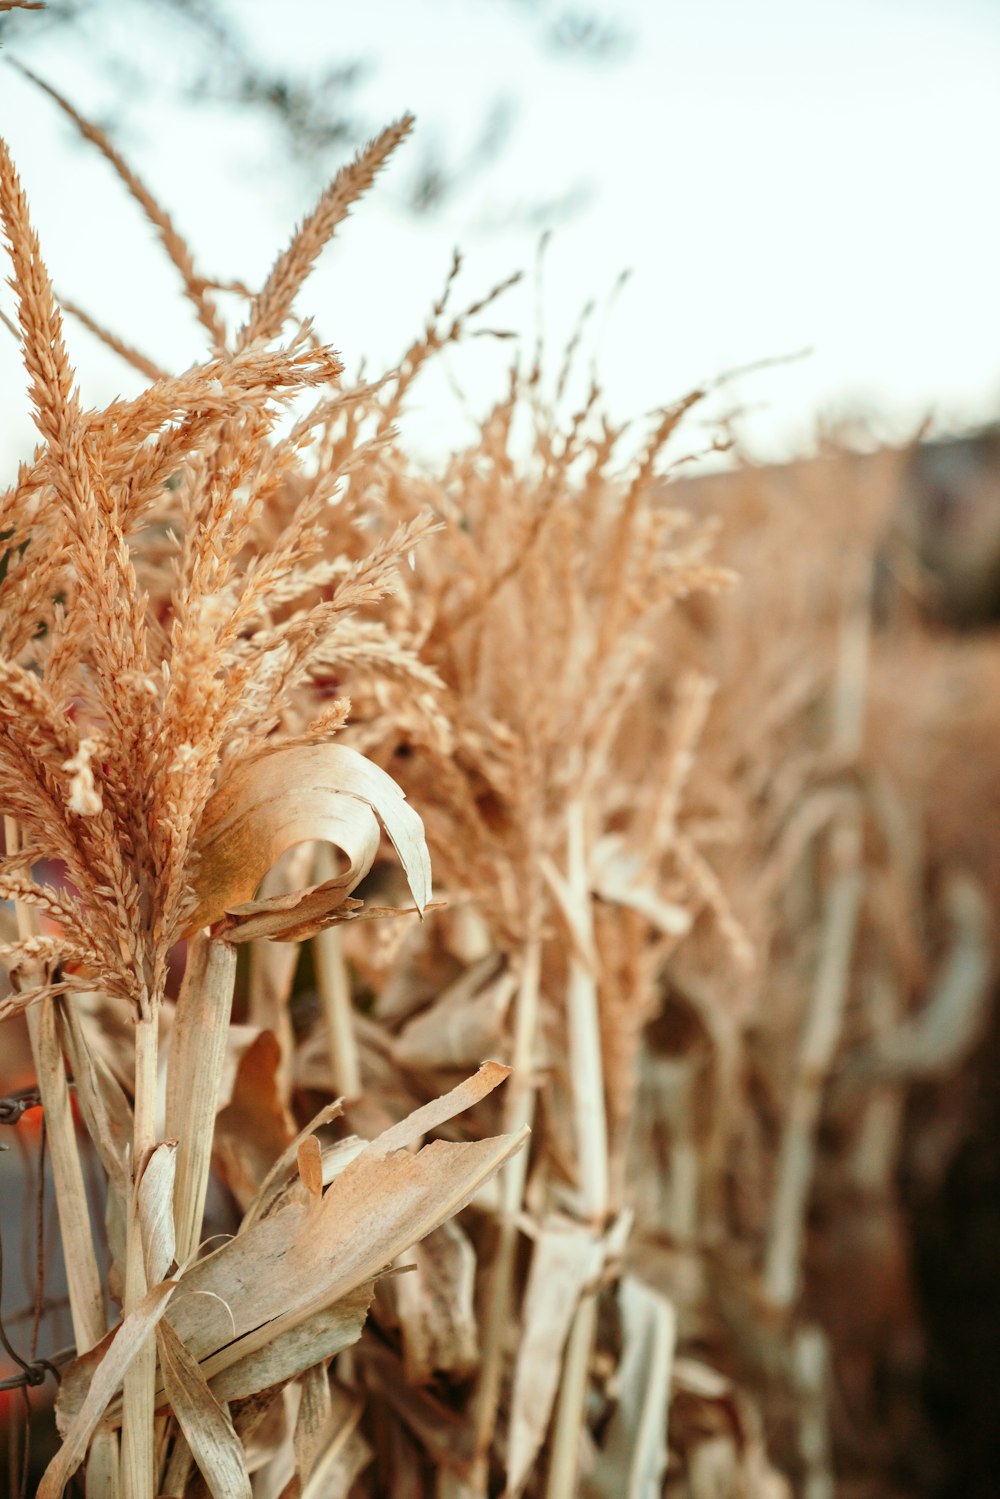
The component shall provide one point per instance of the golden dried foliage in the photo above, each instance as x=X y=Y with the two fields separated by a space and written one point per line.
x=243 y=635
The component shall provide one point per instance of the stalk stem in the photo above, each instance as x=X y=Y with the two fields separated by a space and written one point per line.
x=842 y=906
x=519 y=1111
x=817 y=1048
x=86 y=1298
x=139 y=1388
x=335 y=993
x=194 y=1070
x=586 y=1066
x=146 y=1056
x=569 y=1418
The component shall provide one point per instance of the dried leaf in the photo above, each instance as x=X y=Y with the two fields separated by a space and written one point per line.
x=289 y=796
x=96 y=1380
x=207 y=1426
x=459 y=1027
x=435 y=1307
x=198 y=1044
x=376 y=1208
x=315 y=1409
x=344 y=1454
x=255 y=1127
x=156 y=1210
x=309 y=1158
x=109 y=1121
x=618 y=879
x=273 y=1183
x=440 y=1110
x=633 y=1456
x=284 y=1269
x=254 y=1294
x=566 y=1260
x=288 y=1354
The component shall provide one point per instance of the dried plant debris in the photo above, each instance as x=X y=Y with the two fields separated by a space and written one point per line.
x=260 y=671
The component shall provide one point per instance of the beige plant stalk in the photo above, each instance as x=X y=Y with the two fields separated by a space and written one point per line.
x=142 y=750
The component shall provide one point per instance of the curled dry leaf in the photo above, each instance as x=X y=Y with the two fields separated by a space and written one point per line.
x=288 y=1268
x=291 y=795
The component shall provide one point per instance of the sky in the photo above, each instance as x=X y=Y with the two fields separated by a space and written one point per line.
x=780 y=176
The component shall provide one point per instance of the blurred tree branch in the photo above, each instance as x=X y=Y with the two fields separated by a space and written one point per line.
x=318 y=115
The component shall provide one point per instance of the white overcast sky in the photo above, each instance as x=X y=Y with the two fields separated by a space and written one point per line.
x=775 y=173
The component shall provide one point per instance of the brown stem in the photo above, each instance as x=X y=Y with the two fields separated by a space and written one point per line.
x=194 y=1070
x=335 y=993
x=139 y=1386
x=519 y=1109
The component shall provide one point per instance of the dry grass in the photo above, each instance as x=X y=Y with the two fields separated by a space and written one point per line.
x=679 y=897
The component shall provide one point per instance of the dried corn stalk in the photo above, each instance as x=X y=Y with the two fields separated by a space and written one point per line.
x=673 y=904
